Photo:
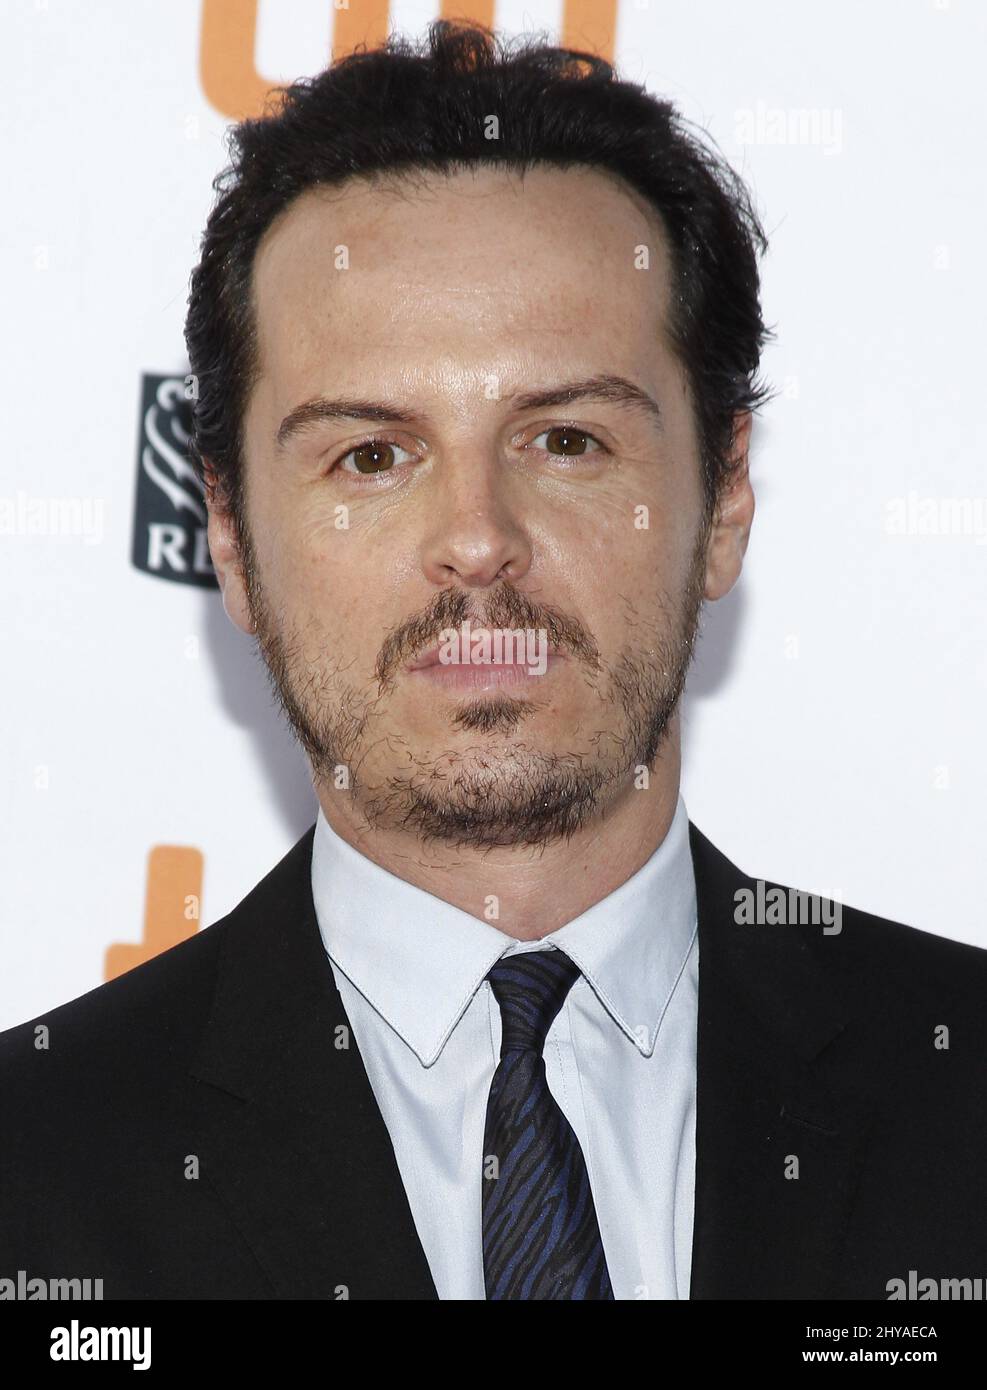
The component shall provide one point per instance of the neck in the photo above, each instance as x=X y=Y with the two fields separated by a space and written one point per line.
x=535 y=889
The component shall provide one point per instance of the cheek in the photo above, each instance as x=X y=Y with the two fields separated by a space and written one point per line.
x=343 y=597
x=637 y=551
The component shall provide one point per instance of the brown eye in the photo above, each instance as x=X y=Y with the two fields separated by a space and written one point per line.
x=372 y=456
x=568 y=441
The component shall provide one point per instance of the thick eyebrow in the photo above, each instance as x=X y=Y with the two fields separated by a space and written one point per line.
x=616 y=389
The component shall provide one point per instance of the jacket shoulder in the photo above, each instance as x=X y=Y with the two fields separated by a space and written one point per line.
x=131 y=1031
x=875 y=955
x=132 y=1026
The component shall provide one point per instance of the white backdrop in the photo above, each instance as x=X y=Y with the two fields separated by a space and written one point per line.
x=834 y=729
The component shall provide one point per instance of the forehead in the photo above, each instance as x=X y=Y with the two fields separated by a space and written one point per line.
x=477 y=263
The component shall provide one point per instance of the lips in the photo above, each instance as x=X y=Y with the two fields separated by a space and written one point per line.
x=431 y=658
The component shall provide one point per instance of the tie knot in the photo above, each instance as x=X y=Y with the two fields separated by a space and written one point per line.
x=530 y=988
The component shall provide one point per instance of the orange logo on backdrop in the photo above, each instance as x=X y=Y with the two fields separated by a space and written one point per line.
x=171 y=907
x=233 y=85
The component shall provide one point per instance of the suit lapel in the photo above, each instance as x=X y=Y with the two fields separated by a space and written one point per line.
x=289 y=1132
x=768 y=1092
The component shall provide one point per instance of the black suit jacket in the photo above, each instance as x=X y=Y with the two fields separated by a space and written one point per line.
x=192 y=1129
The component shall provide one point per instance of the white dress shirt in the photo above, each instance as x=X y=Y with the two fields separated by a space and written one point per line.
x=620 y=1057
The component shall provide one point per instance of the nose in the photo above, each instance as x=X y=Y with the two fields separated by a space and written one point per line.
x=475 y=536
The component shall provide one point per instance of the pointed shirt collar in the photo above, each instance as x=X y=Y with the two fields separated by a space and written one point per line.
x=418 y=960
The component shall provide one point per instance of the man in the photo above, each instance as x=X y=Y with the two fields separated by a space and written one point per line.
x=476 y=335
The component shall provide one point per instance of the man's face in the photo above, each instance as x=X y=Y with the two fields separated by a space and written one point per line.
x=579 y=522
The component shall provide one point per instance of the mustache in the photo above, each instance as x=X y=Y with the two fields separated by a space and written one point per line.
x=505 y=608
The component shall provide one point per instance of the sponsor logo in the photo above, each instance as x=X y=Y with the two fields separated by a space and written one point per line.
x=170 y=537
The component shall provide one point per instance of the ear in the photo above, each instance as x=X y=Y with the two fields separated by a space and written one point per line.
x=733 y=517
x=225 y=554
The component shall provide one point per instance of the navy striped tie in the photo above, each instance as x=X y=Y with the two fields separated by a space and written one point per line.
x=541 y=1238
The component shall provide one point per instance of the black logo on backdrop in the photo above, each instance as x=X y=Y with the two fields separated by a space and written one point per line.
x=170 y=517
